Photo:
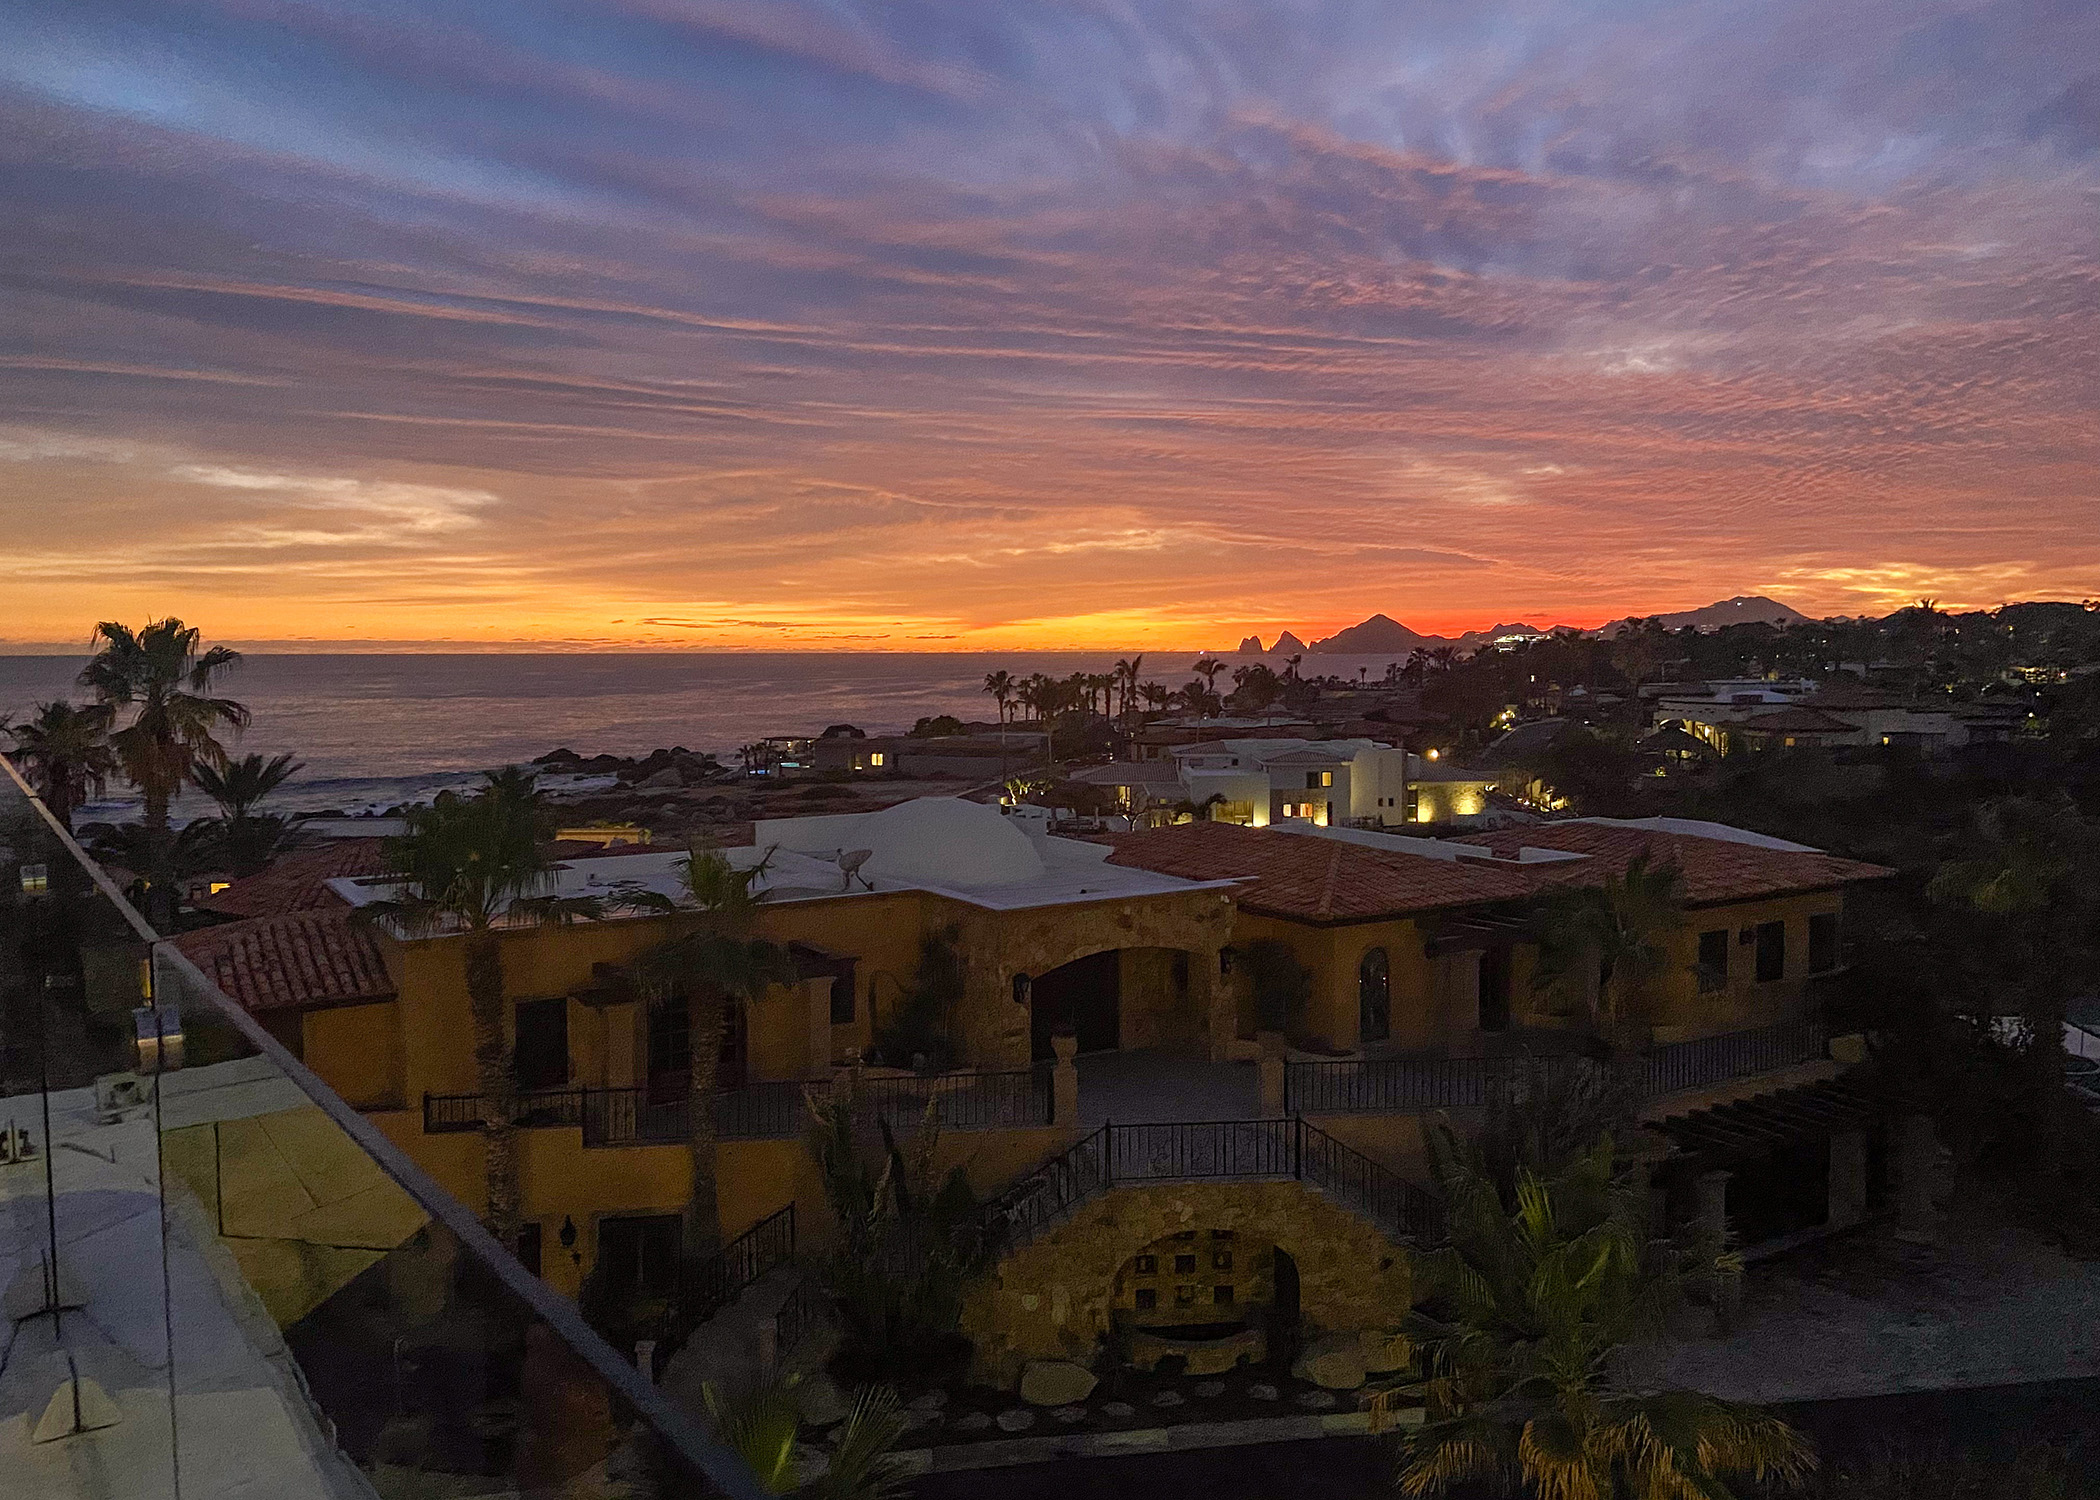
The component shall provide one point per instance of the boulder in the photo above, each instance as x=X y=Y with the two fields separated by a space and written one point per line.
x=1055 y=1382
x=663 y=780
x=1384 y=1352
x=820 y=1402
x=1020 y=1419
x=1318 y=1401
x=1335 y=1362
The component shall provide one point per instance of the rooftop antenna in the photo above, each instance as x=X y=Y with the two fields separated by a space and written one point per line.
x=850 y=861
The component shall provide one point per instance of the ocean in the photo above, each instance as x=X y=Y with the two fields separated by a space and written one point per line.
x=375 y=730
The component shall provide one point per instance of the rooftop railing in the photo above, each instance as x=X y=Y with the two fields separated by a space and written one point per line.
x=202 y=1205
x=1015 y=1100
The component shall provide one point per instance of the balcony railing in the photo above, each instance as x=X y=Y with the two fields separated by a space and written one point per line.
x=534 y=1107
x=780 y=1111
x=1408 y=1085
x=1233 y=1150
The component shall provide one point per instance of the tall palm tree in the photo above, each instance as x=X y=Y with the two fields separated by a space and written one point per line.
x=1156 y=695
x=163 y=677
x=1001 y=686
x=64 y=753
x=238 y=788
x=1619 y=929
x=714 y=960
x=1126 y=676
x=1527 y=1304
x=1208 y=667
x=472 y=866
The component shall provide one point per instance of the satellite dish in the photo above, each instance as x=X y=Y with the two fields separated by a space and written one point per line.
x=850 y=861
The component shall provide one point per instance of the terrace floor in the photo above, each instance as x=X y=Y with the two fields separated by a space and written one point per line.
x=1160 y=1085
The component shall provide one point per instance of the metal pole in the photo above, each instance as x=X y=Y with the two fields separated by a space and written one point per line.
x=43 y=1064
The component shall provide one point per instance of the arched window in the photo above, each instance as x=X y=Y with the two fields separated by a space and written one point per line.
x=1374 y=997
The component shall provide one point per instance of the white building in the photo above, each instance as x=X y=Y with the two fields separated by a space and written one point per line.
x=1262 y=781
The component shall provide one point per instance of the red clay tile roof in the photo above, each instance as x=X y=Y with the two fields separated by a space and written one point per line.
x=298 y=881
x=1715 y=870
x=292 y=962
x=1310 y=879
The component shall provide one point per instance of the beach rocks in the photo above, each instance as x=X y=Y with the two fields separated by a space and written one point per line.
x=970 y=1421
x=1261 y=1390
x=1055 y=1382
x=1070 y=1414
x=1335 y=1362
x=1169 y=1398
x=1020 y=1419
x=1319 y=1400
x=1120 y=1410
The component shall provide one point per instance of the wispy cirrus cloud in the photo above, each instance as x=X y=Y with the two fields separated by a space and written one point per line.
x=899 y=321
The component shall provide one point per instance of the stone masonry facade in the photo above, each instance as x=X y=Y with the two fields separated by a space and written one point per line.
x=1053 y=1298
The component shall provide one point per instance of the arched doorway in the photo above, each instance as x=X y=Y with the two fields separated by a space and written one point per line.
x=1084 y=995
x=1374 y=997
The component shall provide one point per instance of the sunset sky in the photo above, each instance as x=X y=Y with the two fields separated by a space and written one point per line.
x=977 y=324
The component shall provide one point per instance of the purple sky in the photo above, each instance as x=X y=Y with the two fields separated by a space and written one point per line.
x=983 y=324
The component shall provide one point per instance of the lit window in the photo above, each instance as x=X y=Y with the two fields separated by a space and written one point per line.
x=877 y=758
x=219 y=885
x=1327 y=778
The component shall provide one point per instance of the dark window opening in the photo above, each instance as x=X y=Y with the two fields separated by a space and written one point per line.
x=1221 y=1260
x=1147 y=1265
x=1771 y=951
x=639 y=1256
x=1713 y=961
x=1184 y=1296
x=1822 y=942
x=1221 y=1294
x=1184 y=1265
x=541 y=1053
x=1147 y=1298
x=529 y=1245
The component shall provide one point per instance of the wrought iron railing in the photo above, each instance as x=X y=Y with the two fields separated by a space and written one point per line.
x=1409 y=1085
x=1242 y=1150
x=534 y=1107
x=706 y=1287
x=780 y=1111
x=1710 y=1060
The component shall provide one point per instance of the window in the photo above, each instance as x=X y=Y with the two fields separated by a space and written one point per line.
x=1147 y=1298
x=1221 y=1294
x=529 y=1245
x=1184 y=1296
x=541 y=1055
x=1327 y=778
x=843 y=981
x=1148 y=1265
x=1312 y=779
x=1713 y=961
x=1221 y=1260
x=1771 y=951
x=877 y=758
x=1184 y=1265
x=1822 y=942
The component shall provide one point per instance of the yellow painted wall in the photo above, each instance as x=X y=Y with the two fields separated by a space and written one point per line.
x=357 y=1048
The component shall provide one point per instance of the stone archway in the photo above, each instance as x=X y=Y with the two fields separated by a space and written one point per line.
x=1055 y=1297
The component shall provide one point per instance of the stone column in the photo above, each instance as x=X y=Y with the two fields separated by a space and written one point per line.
x=1848 y=1178
x=1917 y=1172
x=1270 y=1070
x=1064 y=1082
x=1211 y=998
x=1713 y=1204
x=819 y=993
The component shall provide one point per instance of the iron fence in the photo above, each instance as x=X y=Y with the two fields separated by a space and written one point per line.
x=1243 y=1150
x=1014 y=1100
x=1735 y=1054
x=1412 y=1085
x=533 y=1108
x=707 y=1286
x=625 y=1117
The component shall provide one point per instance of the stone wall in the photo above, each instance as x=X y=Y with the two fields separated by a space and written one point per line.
x=997 y=945
x=1052 y=1298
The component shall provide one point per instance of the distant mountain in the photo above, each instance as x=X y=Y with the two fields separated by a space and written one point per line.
x=1377 y=634
x=1743 y=609
x=1473 y=640
x=1251 y=646
x=1288 y=645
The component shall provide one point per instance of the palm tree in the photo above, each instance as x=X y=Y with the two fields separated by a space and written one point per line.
x=161 y=675
x=238 y=788
x=759 y=1426
x=1618 y=930
x=1528 y=1303
x=1001 y=686
x=1156 y=696
x=1208 y=667
x=471 y=866
x=64 y=753
x=1126 y=677
x=714 y=960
